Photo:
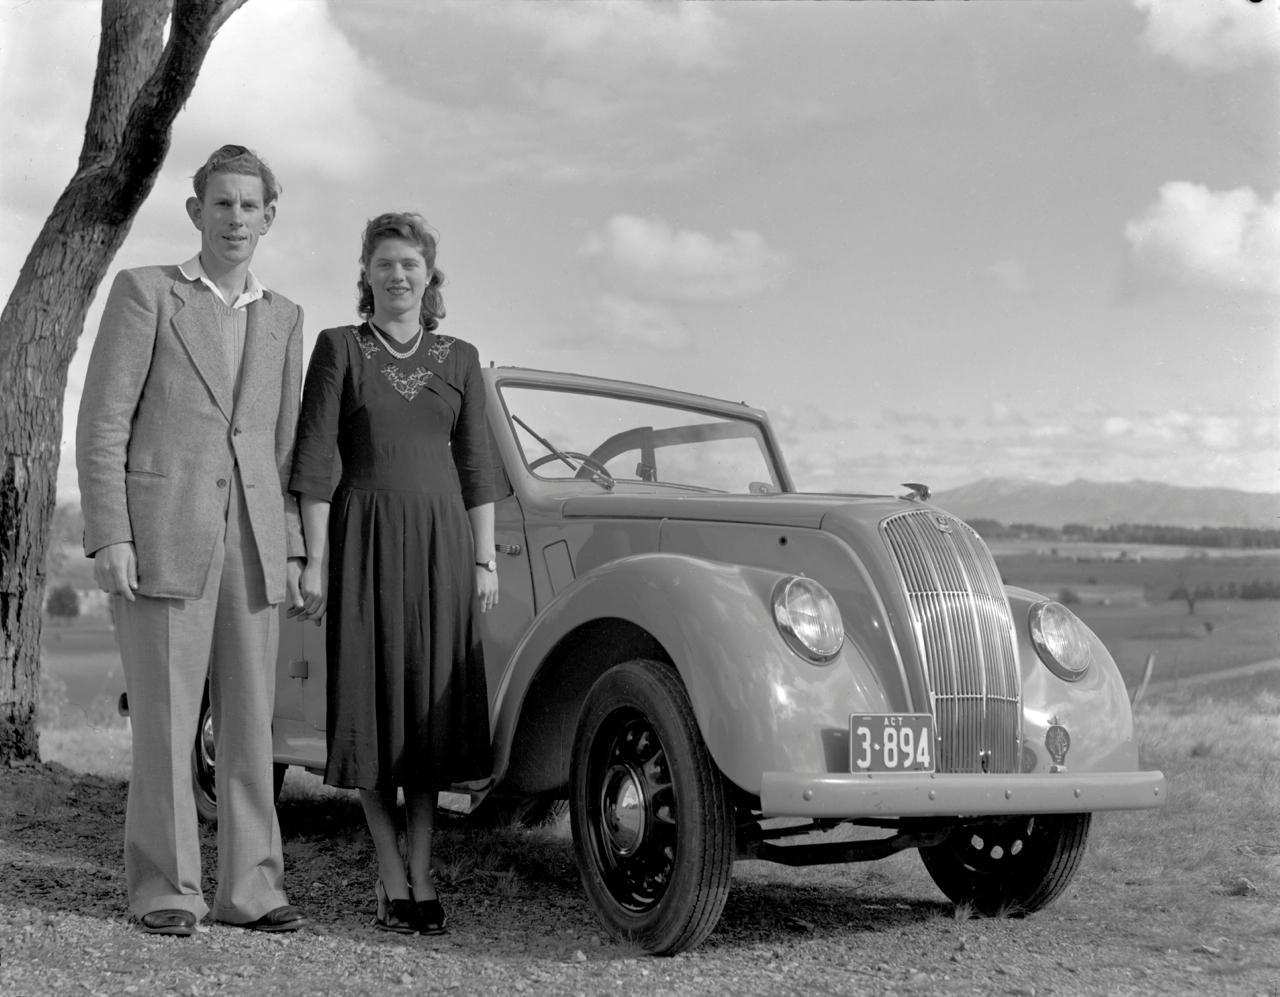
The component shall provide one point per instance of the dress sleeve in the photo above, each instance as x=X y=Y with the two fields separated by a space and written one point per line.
x=471 y=438
x=316 y=448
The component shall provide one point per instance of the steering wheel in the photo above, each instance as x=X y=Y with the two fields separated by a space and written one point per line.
x=589 y=464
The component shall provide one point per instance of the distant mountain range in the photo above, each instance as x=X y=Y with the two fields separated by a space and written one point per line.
x=1093 y=503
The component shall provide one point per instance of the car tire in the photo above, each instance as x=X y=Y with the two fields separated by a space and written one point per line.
x=652 y=817
x=1009 y=866
x=204 y=766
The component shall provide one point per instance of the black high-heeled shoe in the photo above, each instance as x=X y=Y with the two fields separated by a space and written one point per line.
x=430 y=916
x=398 y=916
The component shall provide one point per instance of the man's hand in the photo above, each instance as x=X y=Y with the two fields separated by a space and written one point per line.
x=307 y=591
x=115 y=569
x=292 y=594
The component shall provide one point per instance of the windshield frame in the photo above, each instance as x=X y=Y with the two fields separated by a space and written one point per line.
x=754 y=422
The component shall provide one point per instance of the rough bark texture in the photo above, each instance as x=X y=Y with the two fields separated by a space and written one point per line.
x=139 y=87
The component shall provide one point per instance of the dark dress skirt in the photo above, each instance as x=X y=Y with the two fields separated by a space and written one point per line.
x=407 y=703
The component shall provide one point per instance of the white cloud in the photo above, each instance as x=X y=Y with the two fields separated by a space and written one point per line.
x=1116 y=426
x=659 y=261
x=1211 y=35
x=1003 y=414
x=1229 y=238
x=1204 y=430
x=304 y=107
x=688 y=35
x=616 y=322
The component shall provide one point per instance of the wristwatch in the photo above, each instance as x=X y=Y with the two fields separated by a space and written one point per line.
x=489 y=565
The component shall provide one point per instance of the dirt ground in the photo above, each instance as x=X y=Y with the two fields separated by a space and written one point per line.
x=521 y=924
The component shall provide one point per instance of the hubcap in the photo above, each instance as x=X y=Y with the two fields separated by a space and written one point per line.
x=207 y=750
x=622 y=810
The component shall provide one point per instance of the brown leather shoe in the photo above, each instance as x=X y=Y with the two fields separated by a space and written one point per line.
x=286 y=918
x=168 y=921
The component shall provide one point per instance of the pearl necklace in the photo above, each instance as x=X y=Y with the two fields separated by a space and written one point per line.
x=398 y=354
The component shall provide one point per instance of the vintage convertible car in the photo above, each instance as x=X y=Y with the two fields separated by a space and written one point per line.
x=709 y=665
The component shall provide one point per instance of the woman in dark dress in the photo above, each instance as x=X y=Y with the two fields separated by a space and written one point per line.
x=408 y=540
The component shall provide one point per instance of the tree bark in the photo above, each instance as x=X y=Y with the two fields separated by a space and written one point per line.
x=140 y=85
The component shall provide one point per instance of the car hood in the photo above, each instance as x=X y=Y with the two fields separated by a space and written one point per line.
x=792 y=509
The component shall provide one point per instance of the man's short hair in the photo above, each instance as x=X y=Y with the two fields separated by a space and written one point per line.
x=239 y=160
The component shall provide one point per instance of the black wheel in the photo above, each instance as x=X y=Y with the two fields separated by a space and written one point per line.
x=652 y=818
x=1014 y=865
x=590 y=465
x=204 y=764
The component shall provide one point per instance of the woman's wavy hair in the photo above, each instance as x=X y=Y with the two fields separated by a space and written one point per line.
x=413 y=229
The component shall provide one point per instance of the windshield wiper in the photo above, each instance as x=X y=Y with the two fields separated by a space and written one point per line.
x=601 y=477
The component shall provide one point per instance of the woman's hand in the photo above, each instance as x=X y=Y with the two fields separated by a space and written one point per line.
x=312 y=587
x=486 y=588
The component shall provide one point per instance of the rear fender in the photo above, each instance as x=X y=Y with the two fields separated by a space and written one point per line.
x=759 y=706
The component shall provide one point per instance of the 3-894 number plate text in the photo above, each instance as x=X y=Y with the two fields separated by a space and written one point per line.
x=891 y=742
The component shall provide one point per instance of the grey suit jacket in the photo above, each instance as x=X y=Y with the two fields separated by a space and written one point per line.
x=160 y=430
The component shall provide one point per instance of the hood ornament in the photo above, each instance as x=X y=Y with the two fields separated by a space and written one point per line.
x=918 y=493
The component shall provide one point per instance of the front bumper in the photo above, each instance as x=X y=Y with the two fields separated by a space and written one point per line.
x=886 y=795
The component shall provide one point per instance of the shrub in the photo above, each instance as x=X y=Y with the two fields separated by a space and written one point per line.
x=63 y=602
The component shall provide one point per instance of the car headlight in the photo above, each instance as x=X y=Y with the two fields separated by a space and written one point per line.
x=808 y=618
x=1064 y=644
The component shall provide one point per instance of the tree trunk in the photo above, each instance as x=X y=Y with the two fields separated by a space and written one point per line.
x=139 y=87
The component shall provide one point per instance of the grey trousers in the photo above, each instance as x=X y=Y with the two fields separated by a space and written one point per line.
x=167 y=647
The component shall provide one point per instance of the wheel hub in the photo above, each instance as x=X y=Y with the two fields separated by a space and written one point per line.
x=207 y=750
x=622 y=807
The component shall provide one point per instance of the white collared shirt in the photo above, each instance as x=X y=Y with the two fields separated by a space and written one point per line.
x=193 y=269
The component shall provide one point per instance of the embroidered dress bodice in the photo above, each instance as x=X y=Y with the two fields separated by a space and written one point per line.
x=407 y=382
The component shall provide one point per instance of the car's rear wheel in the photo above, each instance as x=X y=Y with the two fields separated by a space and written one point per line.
x=651 y=815
x=1009 y=866
x=204 y=755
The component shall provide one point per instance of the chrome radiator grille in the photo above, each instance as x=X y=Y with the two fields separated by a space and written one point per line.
x=965 y=637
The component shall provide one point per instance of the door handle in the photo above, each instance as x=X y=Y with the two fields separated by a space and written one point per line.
x=512 y=549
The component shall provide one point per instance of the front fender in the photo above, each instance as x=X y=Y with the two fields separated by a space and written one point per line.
x=1094 y=710
x=759 y=705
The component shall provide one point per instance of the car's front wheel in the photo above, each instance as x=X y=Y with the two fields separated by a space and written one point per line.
x=651 y=815
x=1013 y=865
x=204 y=754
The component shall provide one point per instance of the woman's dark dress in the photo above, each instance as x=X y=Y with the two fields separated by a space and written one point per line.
x=407 y=704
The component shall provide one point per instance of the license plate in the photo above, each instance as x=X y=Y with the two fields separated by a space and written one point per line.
x=891 y=742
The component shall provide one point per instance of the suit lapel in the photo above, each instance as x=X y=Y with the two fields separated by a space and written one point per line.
x=198 y=331
x=261 y=344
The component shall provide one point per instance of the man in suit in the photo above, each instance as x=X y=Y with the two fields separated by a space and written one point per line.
x=183 y=446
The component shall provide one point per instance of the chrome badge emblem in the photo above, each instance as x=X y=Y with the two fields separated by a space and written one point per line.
x=1057 y=741
x=942 y=523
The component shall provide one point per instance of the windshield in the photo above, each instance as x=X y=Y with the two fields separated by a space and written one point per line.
x=567 y=435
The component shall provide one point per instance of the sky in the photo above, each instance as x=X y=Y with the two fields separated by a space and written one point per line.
x=938 y=242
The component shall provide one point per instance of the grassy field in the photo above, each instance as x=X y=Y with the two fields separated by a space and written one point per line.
x=1127 y=602
x=1151 y=573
